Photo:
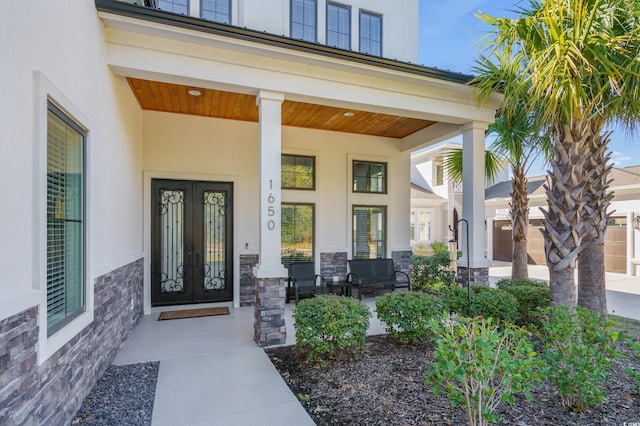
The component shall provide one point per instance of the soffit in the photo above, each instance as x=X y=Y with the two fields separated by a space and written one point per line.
x=169 y=97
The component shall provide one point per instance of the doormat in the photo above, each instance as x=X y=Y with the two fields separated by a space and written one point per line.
x=193 y=313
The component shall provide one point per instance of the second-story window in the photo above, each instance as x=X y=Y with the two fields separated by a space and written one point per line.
x=216 y=10
x=175 y=6
x=304 y=20
x=371 y=33
x=338 y=25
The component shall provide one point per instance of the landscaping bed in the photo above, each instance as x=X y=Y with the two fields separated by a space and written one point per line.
x=384 y=385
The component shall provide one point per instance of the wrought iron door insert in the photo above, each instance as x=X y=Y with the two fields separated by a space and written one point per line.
x=191 y=240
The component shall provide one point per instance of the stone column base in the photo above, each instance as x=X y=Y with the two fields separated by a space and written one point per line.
x=269 y=326
x=479 y=276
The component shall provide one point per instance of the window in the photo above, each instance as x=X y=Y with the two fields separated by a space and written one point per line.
x=420 y=223
x=439 y=170
x=65 y=219
x=369 y=177
x=216 y=10
x=298 y=172
x=369 y=232
x=303 y=20
x=371 y=33
x=297 y=233
x=175 y=6
x=338 y=26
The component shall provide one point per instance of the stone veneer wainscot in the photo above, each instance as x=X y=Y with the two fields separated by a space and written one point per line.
x=51 y=393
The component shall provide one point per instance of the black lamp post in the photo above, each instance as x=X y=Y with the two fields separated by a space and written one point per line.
x=455 y=231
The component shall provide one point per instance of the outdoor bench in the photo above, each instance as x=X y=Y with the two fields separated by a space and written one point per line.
x=376 y=274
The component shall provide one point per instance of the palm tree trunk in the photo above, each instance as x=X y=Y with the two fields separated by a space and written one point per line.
x=592 y=293
x=563 y=230
x=519 y=223
x=591 y=272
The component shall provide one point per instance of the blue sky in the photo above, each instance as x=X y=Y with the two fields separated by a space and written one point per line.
x=448 y=31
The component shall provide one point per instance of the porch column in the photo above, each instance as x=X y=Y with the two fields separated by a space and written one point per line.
x=473 y=152
x=269 y=326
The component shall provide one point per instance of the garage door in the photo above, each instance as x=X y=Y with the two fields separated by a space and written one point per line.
x=615 y=245
x=615 y=249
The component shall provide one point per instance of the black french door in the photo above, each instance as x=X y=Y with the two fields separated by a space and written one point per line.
x=191 y=242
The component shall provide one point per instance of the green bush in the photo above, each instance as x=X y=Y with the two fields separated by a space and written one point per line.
x=431 y=273
x=578 y=350
x=439 y=247
x=485 y=301
x=407 y=314
x=481 y=365
x=532 y=297
x=328 y=324
x=505 y=283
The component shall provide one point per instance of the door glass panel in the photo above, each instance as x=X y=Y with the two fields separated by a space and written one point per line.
x=215 y=212
x=172 y=241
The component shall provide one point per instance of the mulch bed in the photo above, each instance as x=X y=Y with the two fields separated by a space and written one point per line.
x=384 y=385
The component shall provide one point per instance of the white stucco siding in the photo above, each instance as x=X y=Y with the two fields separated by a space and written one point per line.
x=68 y=65
x=189 y=147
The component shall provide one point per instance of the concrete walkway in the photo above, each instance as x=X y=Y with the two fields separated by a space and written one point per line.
x=623 y=291
x=212 y=372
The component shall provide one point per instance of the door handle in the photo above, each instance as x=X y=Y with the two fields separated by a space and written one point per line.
x=197 y=260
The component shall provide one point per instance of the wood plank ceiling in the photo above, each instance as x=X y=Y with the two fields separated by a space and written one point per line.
x=167 y=97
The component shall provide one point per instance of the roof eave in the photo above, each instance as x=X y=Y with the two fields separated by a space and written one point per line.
x=188 y=22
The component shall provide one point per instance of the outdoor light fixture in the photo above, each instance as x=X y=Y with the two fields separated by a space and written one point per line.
x=194 y=92
x=455 y=231
x=348 y=114
x=636 y=221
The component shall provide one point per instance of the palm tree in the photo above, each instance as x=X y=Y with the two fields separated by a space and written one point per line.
x=517 y=142
x=576 y=61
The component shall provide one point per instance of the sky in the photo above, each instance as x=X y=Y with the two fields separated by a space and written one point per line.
x=448 y=40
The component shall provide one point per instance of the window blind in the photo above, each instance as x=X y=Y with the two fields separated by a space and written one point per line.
x=175 y=6
x=303 y=20
x=216 y=10
x=65 y=220
x=371 y=33
x=338 y=26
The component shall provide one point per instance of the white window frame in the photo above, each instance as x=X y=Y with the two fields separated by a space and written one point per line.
x=47 y=91
x=416 y=233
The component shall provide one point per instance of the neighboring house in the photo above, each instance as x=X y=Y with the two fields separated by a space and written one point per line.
x=622 y=245
x=156 y=157
x=436 y=198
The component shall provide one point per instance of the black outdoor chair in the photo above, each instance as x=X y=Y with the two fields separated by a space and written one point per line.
x=303 y=281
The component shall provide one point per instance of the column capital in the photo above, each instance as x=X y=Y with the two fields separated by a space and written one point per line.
x=474 y=125
x=271 y=96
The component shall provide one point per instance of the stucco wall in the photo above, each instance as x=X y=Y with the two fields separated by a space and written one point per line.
x=56 y=49
x=189 y=147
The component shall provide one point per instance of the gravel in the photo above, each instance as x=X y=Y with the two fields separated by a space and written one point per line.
x=123 y=396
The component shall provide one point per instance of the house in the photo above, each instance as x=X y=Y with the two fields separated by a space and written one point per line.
x=180 y=151
x=622 y=244
x=436 y=198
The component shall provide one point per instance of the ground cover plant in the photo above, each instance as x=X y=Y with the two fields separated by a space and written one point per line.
x=385 y=385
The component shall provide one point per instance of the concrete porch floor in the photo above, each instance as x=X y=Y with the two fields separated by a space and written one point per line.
x=212 y=372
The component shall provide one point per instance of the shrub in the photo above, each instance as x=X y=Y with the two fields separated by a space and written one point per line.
x=431 y=273
x=531 y=301
x=407 y=314
x=505 y=283
x=634 y=372
x=480 y=365
x=328 y=324
x=578 y=350
x=439 y=247
x=485 y=301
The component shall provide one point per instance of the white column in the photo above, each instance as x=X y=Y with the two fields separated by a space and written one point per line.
x=270 y=128
x=473 y=147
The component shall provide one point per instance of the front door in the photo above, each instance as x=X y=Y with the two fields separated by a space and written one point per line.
x=191 y=240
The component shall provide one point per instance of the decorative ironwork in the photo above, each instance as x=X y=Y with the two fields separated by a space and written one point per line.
x=172 y=241
x=215 y=239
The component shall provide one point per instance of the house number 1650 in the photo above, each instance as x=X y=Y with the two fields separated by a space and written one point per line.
x=271 y=211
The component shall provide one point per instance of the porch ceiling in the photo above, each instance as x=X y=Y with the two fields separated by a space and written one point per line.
x=168 y=97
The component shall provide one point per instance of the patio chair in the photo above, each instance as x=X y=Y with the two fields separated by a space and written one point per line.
x=303 y=281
